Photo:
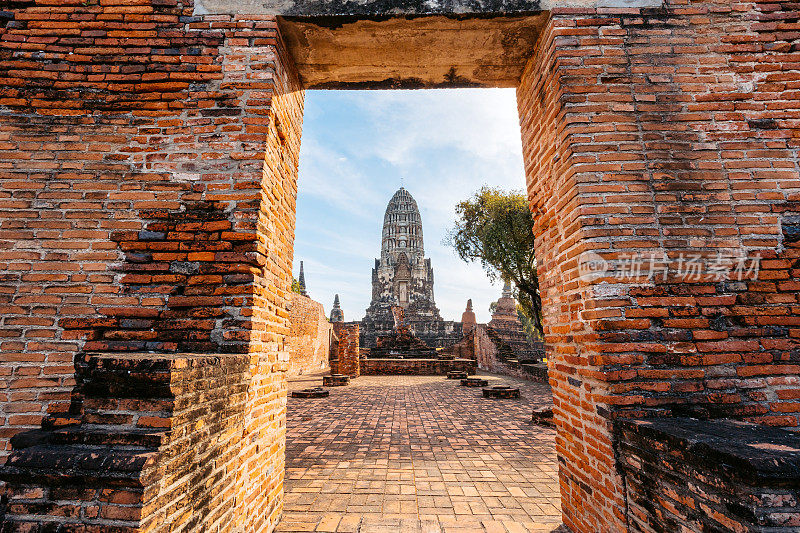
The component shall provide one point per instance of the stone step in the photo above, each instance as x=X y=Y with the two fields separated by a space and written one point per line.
x=109 y=436
x=61 y=464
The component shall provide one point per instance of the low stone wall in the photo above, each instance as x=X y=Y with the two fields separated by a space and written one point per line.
x=494 y=356
x=310 y=337
x=345 y=356
x=709 y=475
x=415 y=367
x=487 y=352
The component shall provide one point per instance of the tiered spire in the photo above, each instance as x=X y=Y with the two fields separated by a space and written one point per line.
x=506 y=306
x=507 y=293
x=301 y=281
x=337 y=315
x=402 y=229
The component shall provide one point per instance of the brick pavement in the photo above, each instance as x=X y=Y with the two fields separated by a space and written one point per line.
x=418 y=453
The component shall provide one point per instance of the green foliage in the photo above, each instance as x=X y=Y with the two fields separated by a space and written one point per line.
x=296 y=286
x=528 y=325
x=495 y=227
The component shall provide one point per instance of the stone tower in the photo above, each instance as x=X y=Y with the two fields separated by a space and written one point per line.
x=403 y=277
x=301 y=281
x=505 y=322
x=468 y=319
x=337 y=315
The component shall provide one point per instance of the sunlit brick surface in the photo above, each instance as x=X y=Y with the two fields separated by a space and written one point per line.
x=419 y=453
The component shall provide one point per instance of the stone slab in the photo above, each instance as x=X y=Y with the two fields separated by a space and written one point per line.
x=401 y=7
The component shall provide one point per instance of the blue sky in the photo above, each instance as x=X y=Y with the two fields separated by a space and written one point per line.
x=357 y=145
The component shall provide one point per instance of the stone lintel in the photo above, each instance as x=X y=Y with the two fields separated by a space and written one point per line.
x=397 y=44
x=411 y=52
x=315 y=8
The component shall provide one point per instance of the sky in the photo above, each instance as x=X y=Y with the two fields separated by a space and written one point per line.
x=359 y=147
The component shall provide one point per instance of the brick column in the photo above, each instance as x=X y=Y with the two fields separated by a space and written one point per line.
x=149 y=168
x=347 y=349
x=664 y=132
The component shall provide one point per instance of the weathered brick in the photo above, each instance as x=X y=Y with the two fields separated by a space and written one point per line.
x=665 y=164
x=106 y=130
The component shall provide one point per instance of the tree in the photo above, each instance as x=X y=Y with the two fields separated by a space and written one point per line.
x=296 y=286
x=496 y=228
x=532 y=328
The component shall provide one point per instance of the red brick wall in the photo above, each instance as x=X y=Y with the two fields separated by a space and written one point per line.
x=345 y=358
x=666 y=131
x=148 y=183
x=310 y=337
x=415 y=367
x=158 y=440
x=699 y=475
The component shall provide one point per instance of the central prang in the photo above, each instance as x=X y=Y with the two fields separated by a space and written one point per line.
x=403 y=280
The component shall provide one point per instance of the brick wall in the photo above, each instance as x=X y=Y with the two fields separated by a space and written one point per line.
x=346 y=356
x=415 y=367
x=148 y=184
x=666 y=131
x=155 y=447
x=310 y=337
x=463 y=349
x=147 y=177
x=485 y=350
x=696 y=475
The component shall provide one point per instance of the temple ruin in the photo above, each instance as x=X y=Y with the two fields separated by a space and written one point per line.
x=148 y=165
x=403 y=277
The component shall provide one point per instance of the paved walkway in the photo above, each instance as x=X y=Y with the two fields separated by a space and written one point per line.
x=418 y=453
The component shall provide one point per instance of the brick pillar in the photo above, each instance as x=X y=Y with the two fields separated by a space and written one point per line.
x=664 y=132
x=149 y=172
x=347 y=349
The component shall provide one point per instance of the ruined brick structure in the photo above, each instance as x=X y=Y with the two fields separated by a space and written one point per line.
x=500 y=346
x=662 y=130
x=148 y=182
x=506 y=326
x=492 y=353
x=337 y=315
x=699 y=475
x=400 y=342
x=310 y=337
x=346 y=353
x=403 y=277
x=141 y=215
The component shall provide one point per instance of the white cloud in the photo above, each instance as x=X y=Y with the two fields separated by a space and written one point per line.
x=472 y=120
x=327 y=174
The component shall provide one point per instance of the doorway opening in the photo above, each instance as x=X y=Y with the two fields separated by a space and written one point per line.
x=399 y=446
